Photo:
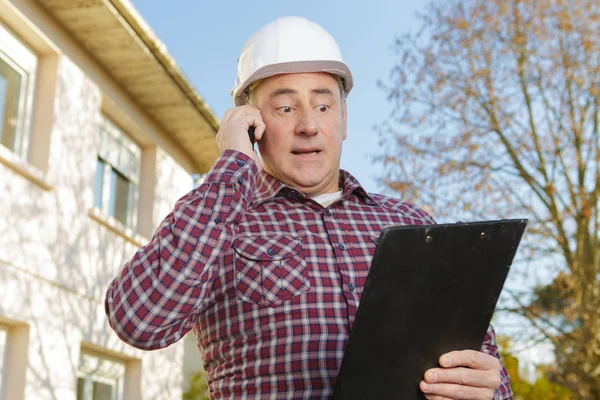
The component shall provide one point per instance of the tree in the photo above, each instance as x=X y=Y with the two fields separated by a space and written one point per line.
x=496 y=107
x=198 y=389
x=541 y=389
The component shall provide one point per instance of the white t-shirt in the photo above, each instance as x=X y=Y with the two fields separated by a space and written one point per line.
x=327 y=198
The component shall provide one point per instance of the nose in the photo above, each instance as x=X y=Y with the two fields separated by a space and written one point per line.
x=308 y=124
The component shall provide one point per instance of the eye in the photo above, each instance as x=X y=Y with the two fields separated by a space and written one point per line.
x=285 y=109
x=323 y=107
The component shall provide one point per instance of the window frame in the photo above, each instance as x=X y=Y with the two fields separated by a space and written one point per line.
x=24 y=60
x=109 y=130
x=5 y=331
x=90 y=376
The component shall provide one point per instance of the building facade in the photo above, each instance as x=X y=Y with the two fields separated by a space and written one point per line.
x=100 y=134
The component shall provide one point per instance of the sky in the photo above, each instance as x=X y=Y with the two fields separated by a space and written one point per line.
x=206 y=37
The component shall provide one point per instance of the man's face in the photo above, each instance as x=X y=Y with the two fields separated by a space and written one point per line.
x=305 y=119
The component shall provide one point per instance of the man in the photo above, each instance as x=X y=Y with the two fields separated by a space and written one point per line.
x=267 y=259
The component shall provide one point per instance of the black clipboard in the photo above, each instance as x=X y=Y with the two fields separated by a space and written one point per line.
x=430 y=290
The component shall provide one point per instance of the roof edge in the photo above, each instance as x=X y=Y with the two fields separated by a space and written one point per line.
x=158 y=50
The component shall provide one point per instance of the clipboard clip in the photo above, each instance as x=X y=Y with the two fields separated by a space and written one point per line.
x=429 y=238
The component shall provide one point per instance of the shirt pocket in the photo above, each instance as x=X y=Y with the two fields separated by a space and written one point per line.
x=363 y=248
x=269 y=270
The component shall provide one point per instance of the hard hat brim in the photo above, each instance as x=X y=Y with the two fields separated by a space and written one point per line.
x=333 y=67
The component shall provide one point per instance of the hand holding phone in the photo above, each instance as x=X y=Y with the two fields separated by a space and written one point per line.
x=240 y=128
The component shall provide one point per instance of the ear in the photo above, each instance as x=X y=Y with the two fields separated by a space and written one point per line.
x=345 y=119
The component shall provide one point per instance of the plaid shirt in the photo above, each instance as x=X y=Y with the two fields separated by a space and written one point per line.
x=269 y=280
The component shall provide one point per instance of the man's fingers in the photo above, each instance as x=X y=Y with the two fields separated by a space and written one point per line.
x=238 y=113
x=259 y=130
x=434 y=397
x=464 y=376
x=458 y=392
x=251 y=117
x=245 y=110
x=233 y=132
x=258 y=124
x=469 y=358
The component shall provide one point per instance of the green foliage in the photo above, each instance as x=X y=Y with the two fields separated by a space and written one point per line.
x=198 y=387
x=541 y=389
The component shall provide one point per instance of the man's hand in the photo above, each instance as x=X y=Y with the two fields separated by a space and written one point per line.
x=466 y=374
x=233 y=133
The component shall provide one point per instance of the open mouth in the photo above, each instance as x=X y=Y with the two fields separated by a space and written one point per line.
x=307 y=152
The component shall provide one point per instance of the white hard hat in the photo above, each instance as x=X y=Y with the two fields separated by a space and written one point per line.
x=284 y=46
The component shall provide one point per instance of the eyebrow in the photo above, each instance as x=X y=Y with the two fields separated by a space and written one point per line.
x=279 y=92
x=283 y=91
x=322 y=91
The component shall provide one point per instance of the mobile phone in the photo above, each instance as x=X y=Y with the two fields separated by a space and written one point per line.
x=251 y=134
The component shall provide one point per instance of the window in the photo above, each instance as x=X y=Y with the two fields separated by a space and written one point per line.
x=117 y=174
x=99 y=378
x=17 y=78
x=3 y=338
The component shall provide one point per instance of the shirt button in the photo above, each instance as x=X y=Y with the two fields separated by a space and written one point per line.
x=341 y=246
x=270 y=252
x=351 y=287
x=241 y=163
x=217 y=220
x=241 y=181
x=329 y=213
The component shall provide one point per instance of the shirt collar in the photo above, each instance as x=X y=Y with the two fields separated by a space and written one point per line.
x=267 y=187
